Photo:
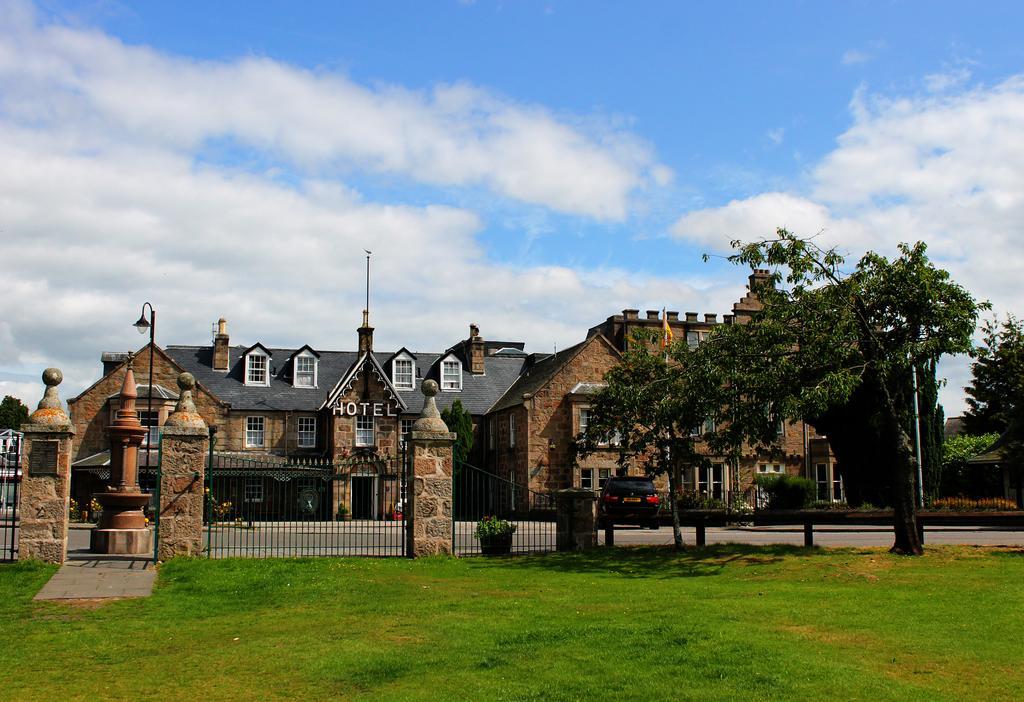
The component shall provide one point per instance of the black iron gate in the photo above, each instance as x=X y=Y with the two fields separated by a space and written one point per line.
x=478 y=494
x=275 y=507
x=10 y=482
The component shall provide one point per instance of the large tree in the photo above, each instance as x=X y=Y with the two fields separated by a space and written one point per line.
x=994 y=397
x=13 y=413
x=654 y=399
x=825 y=337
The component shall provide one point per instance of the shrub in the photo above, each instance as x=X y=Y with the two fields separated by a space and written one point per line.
x=786 y=491
x=494 y=528
x=829 y=506
x=691 y=499
x=970 y=504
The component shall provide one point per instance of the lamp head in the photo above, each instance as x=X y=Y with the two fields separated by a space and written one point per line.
x=143 y=324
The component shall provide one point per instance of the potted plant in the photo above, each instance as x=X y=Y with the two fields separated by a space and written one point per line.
x=495 y=535
x=343 y=514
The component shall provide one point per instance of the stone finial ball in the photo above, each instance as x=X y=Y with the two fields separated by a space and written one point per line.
x=186 y=381
x=52 y=377
x=429 y=388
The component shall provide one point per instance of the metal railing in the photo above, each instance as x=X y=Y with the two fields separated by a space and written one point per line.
x=478 y=494
x=270 y=507
x=10 y=484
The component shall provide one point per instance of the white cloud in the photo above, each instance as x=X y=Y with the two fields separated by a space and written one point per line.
x=101 y=92
x=105 y=203
x=776 y=135
x=947 y=169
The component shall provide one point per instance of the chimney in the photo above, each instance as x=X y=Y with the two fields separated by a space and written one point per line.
x=476 y=350
x=652 y=314
x=365 y=334
x=221 y=350
x=759 y=277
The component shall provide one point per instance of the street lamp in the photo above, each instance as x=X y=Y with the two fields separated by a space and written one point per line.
x=144 y=325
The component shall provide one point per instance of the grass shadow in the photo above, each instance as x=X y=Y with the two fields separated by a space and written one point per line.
x=658 y=562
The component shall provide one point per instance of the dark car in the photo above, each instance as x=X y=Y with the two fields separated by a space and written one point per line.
x=629 y=500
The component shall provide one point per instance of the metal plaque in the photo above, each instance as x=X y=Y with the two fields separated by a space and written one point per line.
x=43 y=458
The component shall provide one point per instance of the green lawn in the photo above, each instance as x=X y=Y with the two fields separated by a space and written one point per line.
x=714 y=624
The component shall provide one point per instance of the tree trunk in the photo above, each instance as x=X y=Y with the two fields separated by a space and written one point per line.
x=904 y=493
x=673 y=498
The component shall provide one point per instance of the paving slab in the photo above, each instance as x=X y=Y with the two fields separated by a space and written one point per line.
x=92 y=578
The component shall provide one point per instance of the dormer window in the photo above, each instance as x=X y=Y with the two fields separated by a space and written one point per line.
x=403 y=373
x=451 y=374
x=256 y=368
x=305 y=372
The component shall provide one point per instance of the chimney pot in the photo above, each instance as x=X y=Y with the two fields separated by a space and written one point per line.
x=221 y=347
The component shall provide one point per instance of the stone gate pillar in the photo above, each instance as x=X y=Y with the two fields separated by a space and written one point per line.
x=575 y=519
x=183 y=455
x=430 y=496
x=46 y=478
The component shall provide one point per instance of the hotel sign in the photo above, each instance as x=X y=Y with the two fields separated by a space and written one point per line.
x=364 y=409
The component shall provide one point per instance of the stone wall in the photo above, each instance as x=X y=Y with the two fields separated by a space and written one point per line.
x=182 y=471
x=431 y=495
x=553 y=422
x=45 y=493
x=343 y=428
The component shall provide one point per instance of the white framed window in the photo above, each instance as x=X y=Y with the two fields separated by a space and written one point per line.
x=602 y=477
x=305 y=371
x=584 y=420
x=256 y=370
x=587 y=478
x=255 y=431
x=307 y=432
x=150 y=420
x=404 y=427
x=451 y=374
x=771 y=469
x=403 y=374
x=710 y=480
x=365 y=430
x=511 y=431
x=253 y=490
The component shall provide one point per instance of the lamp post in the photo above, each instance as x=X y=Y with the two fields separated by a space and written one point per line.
x=142 y=326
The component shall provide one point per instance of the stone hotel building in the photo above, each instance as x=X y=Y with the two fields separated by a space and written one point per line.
x=314 y=403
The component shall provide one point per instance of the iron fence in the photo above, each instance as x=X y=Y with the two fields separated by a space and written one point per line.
x=10 y=483
x=271 y=507
x=478 y=494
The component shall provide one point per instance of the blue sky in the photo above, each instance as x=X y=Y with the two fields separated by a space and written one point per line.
x=580 y=157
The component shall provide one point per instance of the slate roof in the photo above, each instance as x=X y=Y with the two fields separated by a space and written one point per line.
x=478 y=393
x=536 y=376
x=231 y=388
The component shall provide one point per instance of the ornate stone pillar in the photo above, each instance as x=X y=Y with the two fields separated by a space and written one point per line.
x=46 y=478
x=575 y=519
x=184 y=451
x=430 y=499
x=122 y=528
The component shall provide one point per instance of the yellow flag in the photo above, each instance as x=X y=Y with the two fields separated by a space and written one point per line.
x=666 y=336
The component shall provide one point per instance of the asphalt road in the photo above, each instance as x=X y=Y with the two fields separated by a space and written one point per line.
x=384 y=538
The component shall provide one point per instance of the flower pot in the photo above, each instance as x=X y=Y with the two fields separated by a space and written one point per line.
x=496 y=545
